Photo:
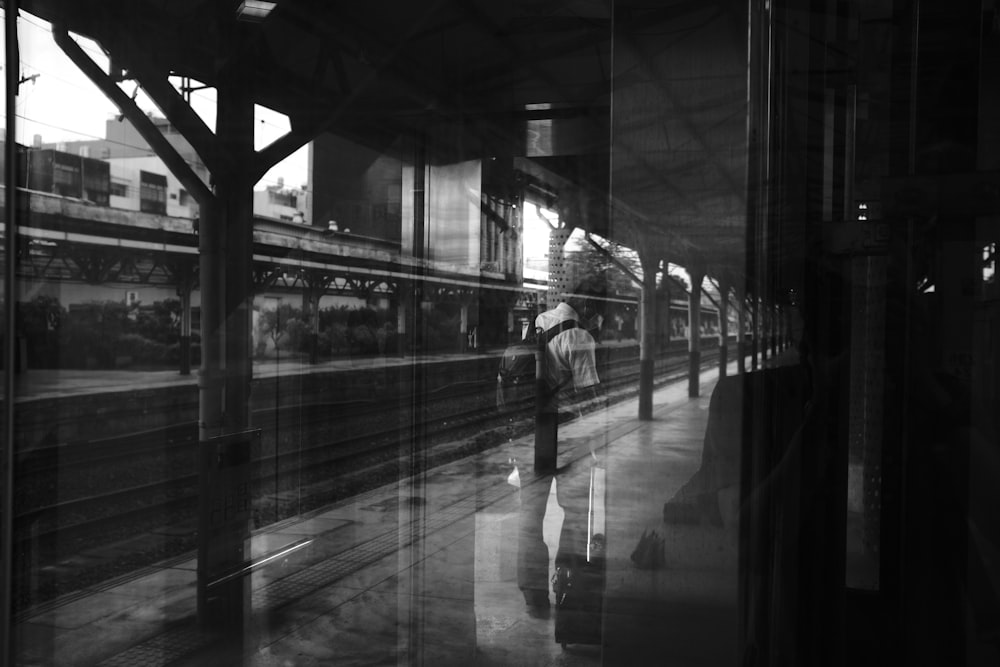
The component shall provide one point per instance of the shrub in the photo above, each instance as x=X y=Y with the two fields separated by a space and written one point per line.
x=296 y=336
x=337 y=334
x=160 y=322
x=363 y=339
x=141 y=349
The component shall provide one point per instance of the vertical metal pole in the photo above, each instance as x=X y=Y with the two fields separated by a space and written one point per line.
x=464 y=341
x=558 y=271
x=227 y=294
x=411 y=517
x=184 y=287
x=764 y=308
x=235 y=128
x=420 y=243
x=668 y=313
x=13 y=69
x=741 y=328
x=315 y=294
x=314 y=285
x=694 y=331
x=754 y=599
x=647 y=340
x=723 y=325
x=775 y=312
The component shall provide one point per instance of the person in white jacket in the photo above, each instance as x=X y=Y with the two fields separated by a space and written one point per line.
x=570 y=375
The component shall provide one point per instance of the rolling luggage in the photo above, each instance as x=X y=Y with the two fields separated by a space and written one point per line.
x=579 y=578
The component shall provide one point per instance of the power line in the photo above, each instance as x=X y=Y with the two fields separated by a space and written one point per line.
x=269 y=181
x=49 y=75
x=86 y=43
x=87 y=136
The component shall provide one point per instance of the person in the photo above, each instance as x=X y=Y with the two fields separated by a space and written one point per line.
x=570 y=377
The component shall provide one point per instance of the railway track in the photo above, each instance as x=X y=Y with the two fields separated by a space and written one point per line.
x=138 y=494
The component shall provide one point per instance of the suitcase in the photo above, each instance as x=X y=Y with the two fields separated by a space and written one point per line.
x=578 y=582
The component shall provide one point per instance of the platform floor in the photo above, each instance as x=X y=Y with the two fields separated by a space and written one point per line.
x=39 y=383
x=423 y=572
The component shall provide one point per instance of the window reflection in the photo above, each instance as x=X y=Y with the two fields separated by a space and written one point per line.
x=270 y=275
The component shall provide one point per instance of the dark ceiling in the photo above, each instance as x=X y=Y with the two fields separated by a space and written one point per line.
x=647 y=102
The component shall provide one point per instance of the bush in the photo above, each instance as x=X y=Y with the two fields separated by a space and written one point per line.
x=89 y=334
x=363 y=339
x=337 y=335
x=141 y=349
x=38 y=323
x=342 y=330
x=442 y=329
x=296 y=335
x=160 y=322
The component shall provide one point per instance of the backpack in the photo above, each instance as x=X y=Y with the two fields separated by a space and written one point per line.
x=516 y=375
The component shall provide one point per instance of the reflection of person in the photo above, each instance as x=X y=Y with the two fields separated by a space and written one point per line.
x=570 y=371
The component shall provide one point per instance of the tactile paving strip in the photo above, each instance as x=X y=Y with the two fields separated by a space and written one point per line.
x=161 y=649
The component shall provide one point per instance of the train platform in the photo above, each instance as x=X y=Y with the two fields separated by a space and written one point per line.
x=424 y=571
x=37 y=383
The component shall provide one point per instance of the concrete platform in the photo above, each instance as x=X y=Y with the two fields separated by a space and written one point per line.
x=424 y=571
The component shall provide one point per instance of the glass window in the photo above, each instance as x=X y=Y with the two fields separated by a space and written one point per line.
x=597 y=333
x=152 y=193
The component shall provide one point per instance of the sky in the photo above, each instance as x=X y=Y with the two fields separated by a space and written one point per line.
x=59 y=103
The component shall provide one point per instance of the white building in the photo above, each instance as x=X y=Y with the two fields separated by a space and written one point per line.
x=280 y=203
x=145 y=184
x=141 y=182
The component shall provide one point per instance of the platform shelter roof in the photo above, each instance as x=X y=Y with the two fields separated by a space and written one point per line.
x=631 y=117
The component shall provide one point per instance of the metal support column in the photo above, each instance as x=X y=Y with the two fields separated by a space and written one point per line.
x=185 y=285
x=665 y=313
x=741 y=329
x=464 y=340
x=401 y=305
x=12 y=71
x=558 y=273
x=311 y=299
x=723 y=324
x=316 y=284
x=412 y=451
x=648 y=336
x=546 y=422
x=775 y=330
x=697 y=274
x=765 y=330
x=226 y=244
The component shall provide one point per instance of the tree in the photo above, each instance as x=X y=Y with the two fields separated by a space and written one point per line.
x=39 y=321
x=39 y=316
x=608 y=259
x=280 y=323
x=160 y=322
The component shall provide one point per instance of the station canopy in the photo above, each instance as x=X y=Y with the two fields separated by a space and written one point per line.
x=631 y=117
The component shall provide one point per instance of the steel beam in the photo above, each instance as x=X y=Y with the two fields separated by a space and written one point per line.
x=163 y=148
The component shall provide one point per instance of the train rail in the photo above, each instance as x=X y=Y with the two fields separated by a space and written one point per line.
x=136 y=495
